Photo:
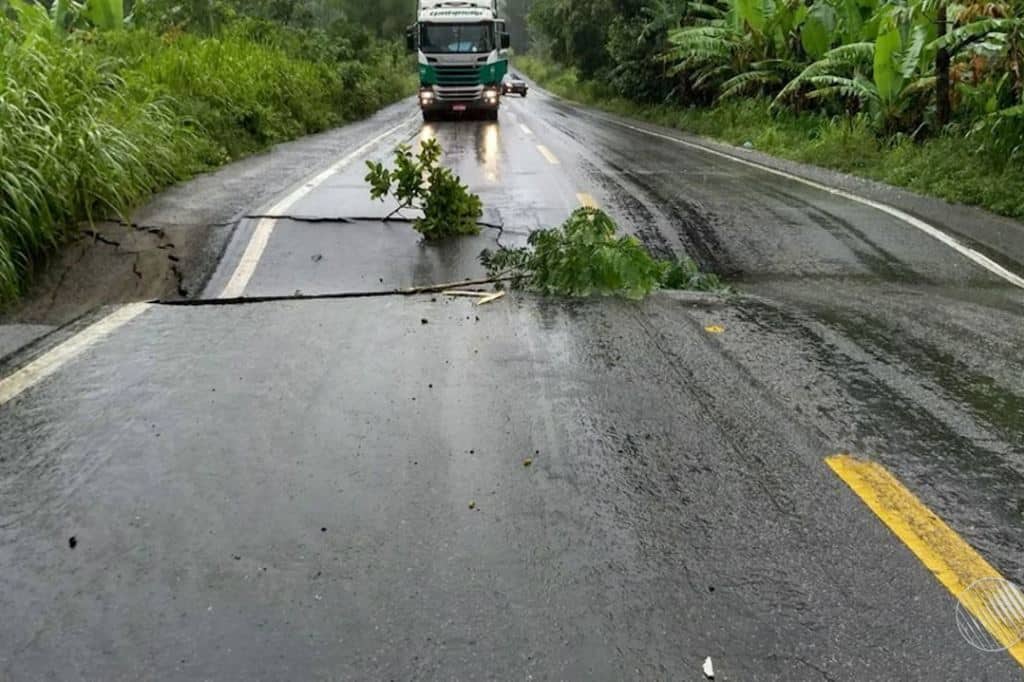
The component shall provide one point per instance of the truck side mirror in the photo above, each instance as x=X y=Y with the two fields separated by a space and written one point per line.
x=506 y=41
x=410 y=40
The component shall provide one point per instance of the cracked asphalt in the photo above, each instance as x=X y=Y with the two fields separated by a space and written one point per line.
x=336 y=489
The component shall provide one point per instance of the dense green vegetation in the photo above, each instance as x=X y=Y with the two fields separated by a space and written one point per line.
x=946 y=166
x=921 y=93
x=100 y=107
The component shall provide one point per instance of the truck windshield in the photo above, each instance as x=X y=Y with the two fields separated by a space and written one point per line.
x=449 y=38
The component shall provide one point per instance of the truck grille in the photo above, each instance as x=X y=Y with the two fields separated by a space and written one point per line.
x=459 y=94
x=457 y=74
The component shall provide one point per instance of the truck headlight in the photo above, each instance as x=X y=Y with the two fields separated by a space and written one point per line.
x=491 y=95
x=427 y=95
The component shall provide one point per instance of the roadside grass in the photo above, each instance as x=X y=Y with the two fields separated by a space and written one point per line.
x=948 y=167
x=93 y=124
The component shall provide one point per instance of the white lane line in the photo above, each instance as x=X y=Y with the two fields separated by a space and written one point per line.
x=246 y=268
x=51 y=361
x=525 y=129
x=932 y=231
x=552 y=159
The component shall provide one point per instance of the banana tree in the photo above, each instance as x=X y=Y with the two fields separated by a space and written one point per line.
x=882 y=78
x=1000 y=39
x=106 y=15
x=744 y=47
x=996 y=45
x=738 y=47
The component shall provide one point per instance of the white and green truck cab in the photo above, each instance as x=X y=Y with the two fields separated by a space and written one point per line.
x=462 y=49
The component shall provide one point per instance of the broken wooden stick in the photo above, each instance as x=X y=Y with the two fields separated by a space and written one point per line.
x=441 y=288
x=491 y=298
x=468 y=294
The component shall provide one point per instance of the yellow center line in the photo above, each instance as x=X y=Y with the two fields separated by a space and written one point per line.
x=552 y=159
x=586 y=201
x=952 y=561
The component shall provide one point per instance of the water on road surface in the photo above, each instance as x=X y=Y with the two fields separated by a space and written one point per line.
x=415 y=487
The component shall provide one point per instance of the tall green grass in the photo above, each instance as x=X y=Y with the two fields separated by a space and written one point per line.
x=92 y=124
x=72 y=145
x=949 y=167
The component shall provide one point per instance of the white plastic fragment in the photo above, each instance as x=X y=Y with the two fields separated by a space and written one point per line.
x=709 y=669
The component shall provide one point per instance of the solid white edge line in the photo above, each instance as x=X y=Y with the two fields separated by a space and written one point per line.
x=932 y=231
x=250 y=260
x=51 y=361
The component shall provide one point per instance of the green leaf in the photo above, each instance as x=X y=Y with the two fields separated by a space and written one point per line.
x=816 y=34
x=106 y=15
x=888 y=80
x=751 y=13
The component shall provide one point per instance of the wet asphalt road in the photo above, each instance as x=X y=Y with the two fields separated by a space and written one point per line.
x=282 y=490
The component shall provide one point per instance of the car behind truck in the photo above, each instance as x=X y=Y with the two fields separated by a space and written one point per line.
x=462 y=48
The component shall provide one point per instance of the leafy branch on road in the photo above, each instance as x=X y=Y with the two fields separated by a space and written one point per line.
x=420 y=182
x=585 y=257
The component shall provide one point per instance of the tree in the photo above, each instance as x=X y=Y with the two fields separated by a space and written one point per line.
x=883 y=77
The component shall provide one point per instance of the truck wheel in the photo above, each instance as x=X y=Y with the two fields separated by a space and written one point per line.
x=429 y=116
x=492 y=115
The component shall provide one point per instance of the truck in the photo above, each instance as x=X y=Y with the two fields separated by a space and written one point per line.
x=462 y=49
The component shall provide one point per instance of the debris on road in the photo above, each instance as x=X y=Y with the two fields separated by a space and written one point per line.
x=715 y=329
x=467 y=294
x=472 y=504
x=709 y=669
x=450 y=286
x=491 y=299
x=483 y=297
x=528 y=462
x=72 y=542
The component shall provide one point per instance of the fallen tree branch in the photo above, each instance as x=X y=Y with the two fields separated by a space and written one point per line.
x=441 y=288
